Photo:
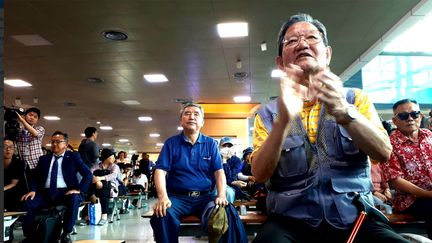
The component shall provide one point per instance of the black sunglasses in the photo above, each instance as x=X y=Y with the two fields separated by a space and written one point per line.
x=405 y=115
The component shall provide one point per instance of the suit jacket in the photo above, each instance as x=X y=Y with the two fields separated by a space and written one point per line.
x=72 y=165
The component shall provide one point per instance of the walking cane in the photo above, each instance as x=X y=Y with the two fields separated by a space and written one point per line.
x=357 y=225
x=365 y=208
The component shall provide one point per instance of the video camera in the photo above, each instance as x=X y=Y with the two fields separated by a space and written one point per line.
x=12 y=125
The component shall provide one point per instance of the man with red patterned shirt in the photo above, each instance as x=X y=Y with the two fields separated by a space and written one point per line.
x=409 y=169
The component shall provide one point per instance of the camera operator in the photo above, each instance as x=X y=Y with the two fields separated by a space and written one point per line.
x=29 y=139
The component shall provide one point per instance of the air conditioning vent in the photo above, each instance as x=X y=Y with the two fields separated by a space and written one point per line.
x=240 y=77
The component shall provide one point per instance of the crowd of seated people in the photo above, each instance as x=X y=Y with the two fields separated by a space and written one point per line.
x=410 y=179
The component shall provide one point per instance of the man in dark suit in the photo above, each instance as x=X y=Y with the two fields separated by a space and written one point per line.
x=56 y=183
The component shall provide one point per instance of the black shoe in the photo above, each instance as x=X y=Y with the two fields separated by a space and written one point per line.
x=65 y=238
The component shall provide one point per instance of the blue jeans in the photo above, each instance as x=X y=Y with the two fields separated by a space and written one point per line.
x=166 y=229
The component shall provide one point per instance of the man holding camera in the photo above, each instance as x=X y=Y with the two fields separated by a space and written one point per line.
x=29 y=139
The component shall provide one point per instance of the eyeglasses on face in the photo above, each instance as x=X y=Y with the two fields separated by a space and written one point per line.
x=6 y=147
x=311 y=38
x=57 y=141
x=405 y=115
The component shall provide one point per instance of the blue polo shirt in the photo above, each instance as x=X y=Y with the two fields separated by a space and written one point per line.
x=189 y=167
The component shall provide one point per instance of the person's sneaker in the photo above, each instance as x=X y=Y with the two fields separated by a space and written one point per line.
x=103 y=222
x=84 y=223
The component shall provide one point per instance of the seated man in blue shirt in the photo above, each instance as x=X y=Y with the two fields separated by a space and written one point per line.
x=187 y=170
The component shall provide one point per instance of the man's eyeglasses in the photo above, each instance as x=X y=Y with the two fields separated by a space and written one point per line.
x=311 y=38
x=6 y=147
x=405 y=115
x=57 y=141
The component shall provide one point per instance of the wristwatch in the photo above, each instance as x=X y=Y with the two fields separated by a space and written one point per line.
x=351 y=115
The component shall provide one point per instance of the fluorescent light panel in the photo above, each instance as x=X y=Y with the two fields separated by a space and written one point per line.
x=130 y=102
x=52 y=118
x=159 y=144
x=106 y=128
x=155 y=78
x=106 y=144
x=228 y=30
x=145 y=118
x=123 y=140
x=242 y=99
x=154 y=135
x=17 y=83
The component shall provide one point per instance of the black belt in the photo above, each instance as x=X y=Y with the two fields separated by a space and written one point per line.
x=191 y=193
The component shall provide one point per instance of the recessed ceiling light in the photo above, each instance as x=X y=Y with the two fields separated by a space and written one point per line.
x=114 y=35
x=98 y=122
x=180 y=128
x=123 y=140
x=155 y=78
x=159 y=144
x=106 y=128
x=130 y=102
x=154 y=135
x=238 y=29
x=277 y=73
x=106 y=144
x=242 y=99
x=82 y=135
x=52 y=118
x=94 y=80
x=17 y=83
x=48 y=145
x=145 y=118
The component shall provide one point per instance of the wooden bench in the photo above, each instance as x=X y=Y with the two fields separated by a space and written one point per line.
x=406 y=223
x=191 y=225
x=245 y=203
x=252 y=221
x=250 y=205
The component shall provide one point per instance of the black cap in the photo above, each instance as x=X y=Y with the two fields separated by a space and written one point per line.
x=106 y=153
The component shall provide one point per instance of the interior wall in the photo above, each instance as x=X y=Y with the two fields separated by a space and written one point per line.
x=231 y=127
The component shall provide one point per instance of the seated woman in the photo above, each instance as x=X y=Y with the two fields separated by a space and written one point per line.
x=13 y=171
x=105 y=181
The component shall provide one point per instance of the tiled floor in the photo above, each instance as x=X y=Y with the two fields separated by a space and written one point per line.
x=131 y=227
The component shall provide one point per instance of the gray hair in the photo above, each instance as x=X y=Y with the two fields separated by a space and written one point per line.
x=301 y=17
x=189 y=104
